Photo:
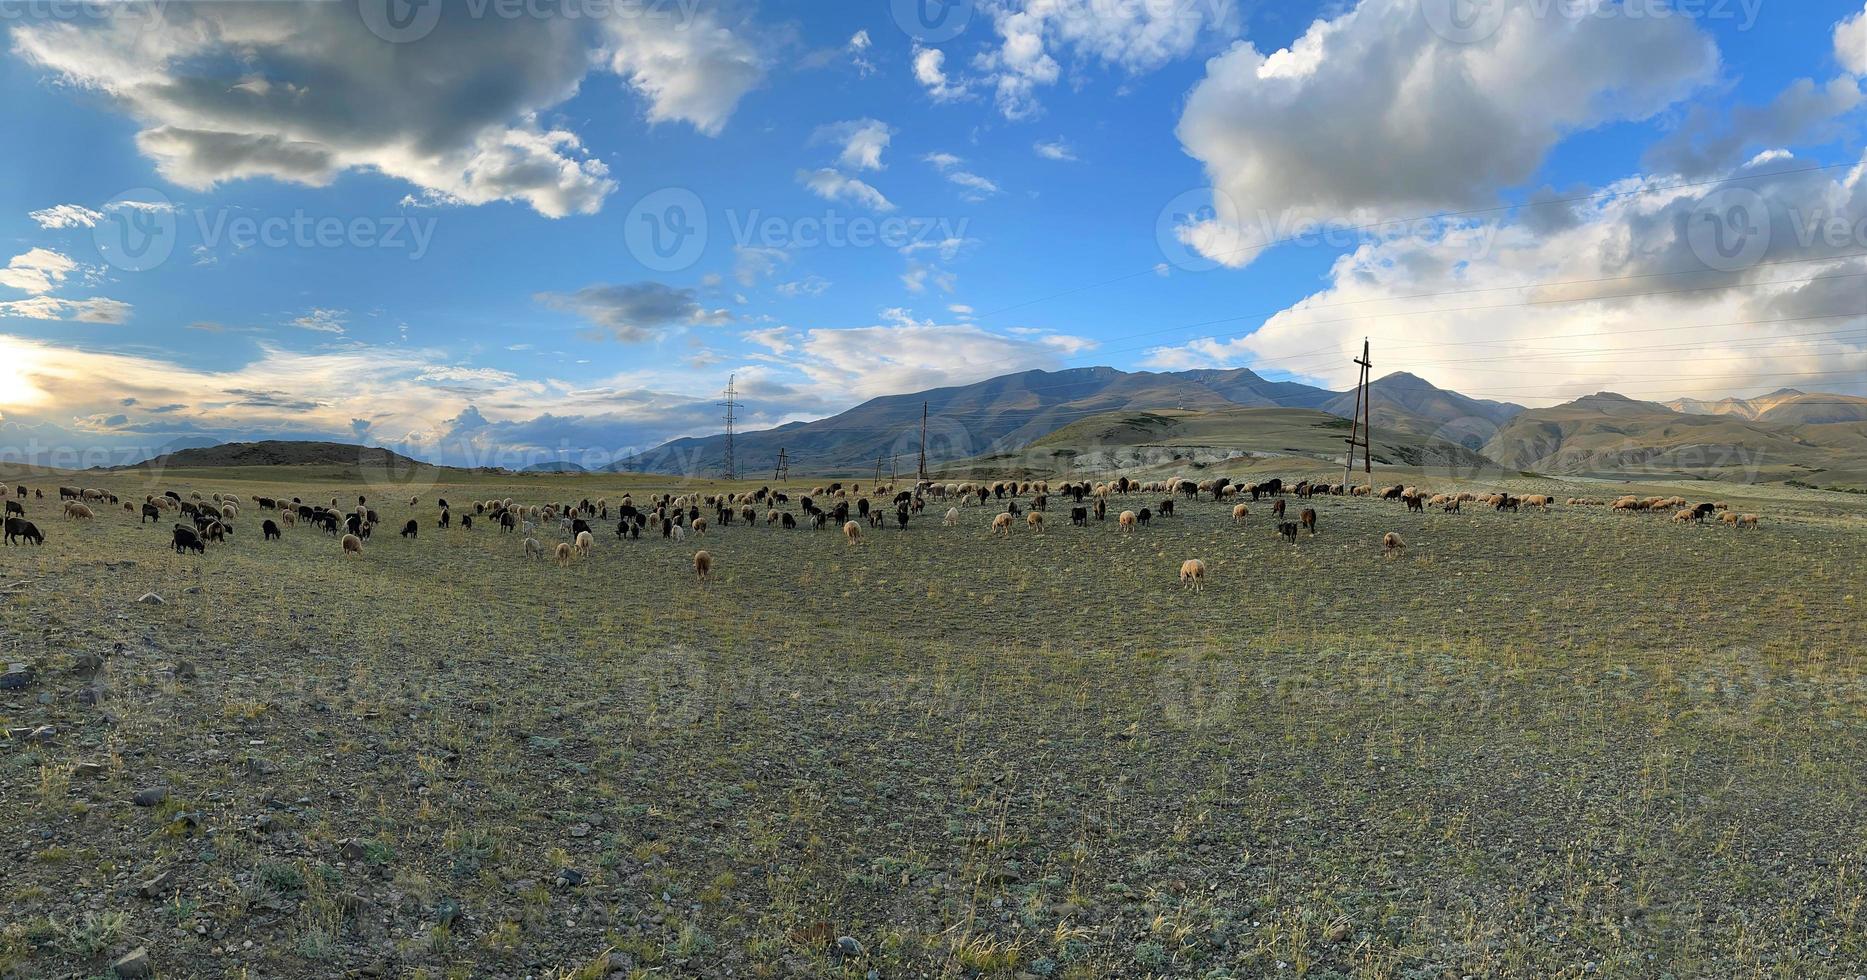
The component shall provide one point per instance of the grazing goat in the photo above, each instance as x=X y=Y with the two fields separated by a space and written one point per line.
x=1308 y=520
x=1288 y=531
x=409 y=530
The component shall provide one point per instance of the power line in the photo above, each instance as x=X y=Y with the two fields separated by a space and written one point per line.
x=731 y=404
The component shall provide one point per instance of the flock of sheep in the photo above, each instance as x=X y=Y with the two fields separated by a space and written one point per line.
x=212 y=518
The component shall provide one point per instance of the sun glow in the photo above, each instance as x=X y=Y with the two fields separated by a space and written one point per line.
x=16 y=369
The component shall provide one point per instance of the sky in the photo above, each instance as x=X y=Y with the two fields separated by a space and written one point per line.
x=499 y=232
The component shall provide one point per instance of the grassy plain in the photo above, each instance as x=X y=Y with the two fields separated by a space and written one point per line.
x=1537 y=745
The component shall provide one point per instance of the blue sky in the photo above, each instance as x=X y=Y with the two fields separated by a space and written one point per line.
x=440 y=238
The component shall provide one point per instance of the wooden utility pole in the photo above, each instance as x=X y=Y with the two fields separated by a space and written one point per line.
x=1361 y=431
x=878 y=468
x=922 y=472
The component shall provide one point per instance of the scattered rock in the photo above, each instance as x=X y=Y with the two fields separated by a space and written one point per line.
x=42 y=734
x=18 y=677
x=88 y=770
x=150 y=796
x=848 y=946
x=1337 y=932
x=569 y=878
x=580 y=830
x=89 y=663
x=351 y=850
x=90 y=694
x=150 y=599
x=135 y=963
x=154 y=887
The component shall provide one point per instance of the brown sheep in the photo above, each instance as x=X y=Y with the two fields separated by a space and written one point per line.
x=584 y=543
x=564 y=553
x=1747 y=520
x=1391 y=544
x=1127 y=520
x=853 y=532
x=1002 y=525
x=703 y=565
x=353 y=545
x=1035 y=520
x=700 y=525
x=79 y=512
x=1239 y=512
x=1193 y=574
x=1683 y=516
x=1729 y=517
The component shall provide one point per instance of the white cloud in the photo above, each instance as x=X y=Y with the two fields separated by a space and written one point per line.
x=93 y=310
x=320 y=320
x=752 y=263
x=812 y=285
x=1620 y=291
x=930 y=71
x=1134 y=37
x=36 y=270
x=66 y=216
x=978 y=188
x=293 y=92
x=1374 y=114
x=775 y=339
x=943 y=161
x=1713 y=139
x=912 y=355
x=862 y=142
x=1055 y=149
x=1851 y=43
x=831 y=185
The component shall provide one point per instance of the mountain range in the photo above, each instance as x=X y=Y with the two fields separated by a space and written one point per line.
x=1014 y=410
x=1785 y=435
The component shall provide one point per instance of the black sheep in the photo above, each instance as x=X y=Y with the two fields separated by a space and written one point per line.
x=19 y=527
x=1079 y=516
x=409 y=530
x=1288 y=530
x=15 y=507
x=150 y=513
x=187 y=540
x=787 y=521
x=1144 y=516
x=270 y=530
